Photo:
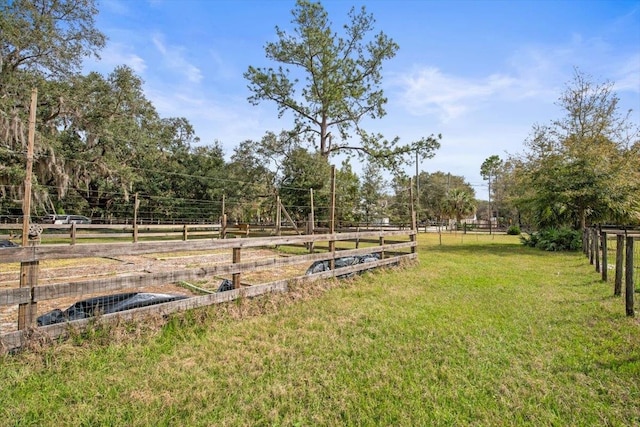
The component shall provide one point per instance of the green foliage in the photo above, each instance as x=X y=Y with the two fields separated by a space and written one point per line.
x=583 y=168
x=347 y=194
x=490 y=167
x=303 y=171
x=342 y=73
x=341 y=84
x=48 y=37
x=372 y=202
x=434 y=188
x=42 y=45
x=513 y=230
x=102 y=149
x=554 y=239
x=458 y=204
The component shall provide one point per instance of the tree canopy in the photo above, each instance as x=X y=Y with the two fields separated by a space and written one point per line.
x=99 y=139
x=434 y=190
x=333 y=83
x=46 y=37
x=583 y=168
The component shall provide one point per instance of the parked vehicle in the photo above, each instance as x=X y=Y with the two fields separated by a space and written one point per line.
x=66 y=219
x=7 y=244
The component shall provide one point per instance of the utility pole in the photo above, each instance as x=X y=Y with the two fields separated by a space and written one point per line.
x=28 y=269
x=26 y=201
x=490 y=209
x=332 y=219
x=417 y=193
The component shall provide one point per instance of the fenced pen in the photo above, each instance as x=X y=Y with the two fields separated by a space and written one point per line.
x=602 y=245
x=38 y=282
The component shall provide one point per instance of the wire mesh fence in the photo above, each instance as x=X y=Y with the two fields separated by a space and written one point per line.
x=49 y=285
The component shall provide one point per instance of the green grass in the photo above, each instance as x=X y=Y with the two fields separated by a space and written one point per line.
x=481 y=331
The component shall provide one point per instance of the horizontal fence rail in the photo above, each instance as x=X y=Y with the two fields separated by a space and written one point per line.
x=391 y=247
x=83 y=233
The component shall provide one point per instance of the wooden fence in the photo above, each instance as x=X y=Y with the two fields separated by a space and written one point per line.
x=78 y=233
x=393 y=247
x=73 y=233
x=595 y=244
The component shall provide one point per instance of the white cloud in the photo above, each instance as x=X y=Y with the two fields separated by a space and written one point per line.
x=627 y=74
x=222 y=69
x=114 y=55
x=534 y=72
x=549 y=68
x=116 y=7
x=173 y=57
x=428 y=91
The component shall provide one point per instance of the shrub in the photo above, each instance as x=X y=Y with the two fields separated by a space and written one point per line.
x=554 y=239
x=513 y=230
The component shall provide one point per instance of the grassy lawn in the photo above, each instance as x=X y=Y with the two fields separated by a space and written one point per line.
x=481 y=331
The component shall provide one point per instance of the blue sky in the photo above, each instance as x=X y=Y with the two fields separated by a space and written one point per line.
x=481 y=73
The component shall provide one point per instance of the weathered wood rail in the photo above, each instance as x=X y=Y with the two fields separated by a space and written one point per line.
x=75 y=233
x=595 y=245
x=30 y=293
x=78 y=233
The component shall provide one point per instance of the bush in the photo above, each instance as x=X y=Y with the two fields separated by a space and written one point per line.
x=513 y=230
x=554 y=239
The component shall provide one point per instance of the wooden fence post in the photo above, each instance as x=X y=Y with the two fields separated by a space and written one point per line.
x=414 y=222
x=223 y=219
x=310 y=232
x=332 y=218
x=278 y=215
x=223 y=231
x=596 y=248
x=312 y=215
x=629 y=287
x=73 y=233
x=185 y=232
x=236 y=276
x=605 y=258
x=312 y=221
x=617 y=287
x=412 y=211
x=136 y=204
x=27 y=313
x=592 y=243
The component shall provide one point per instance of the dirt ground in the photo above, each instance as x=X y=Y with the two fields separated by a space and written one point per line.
x=65 y=271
